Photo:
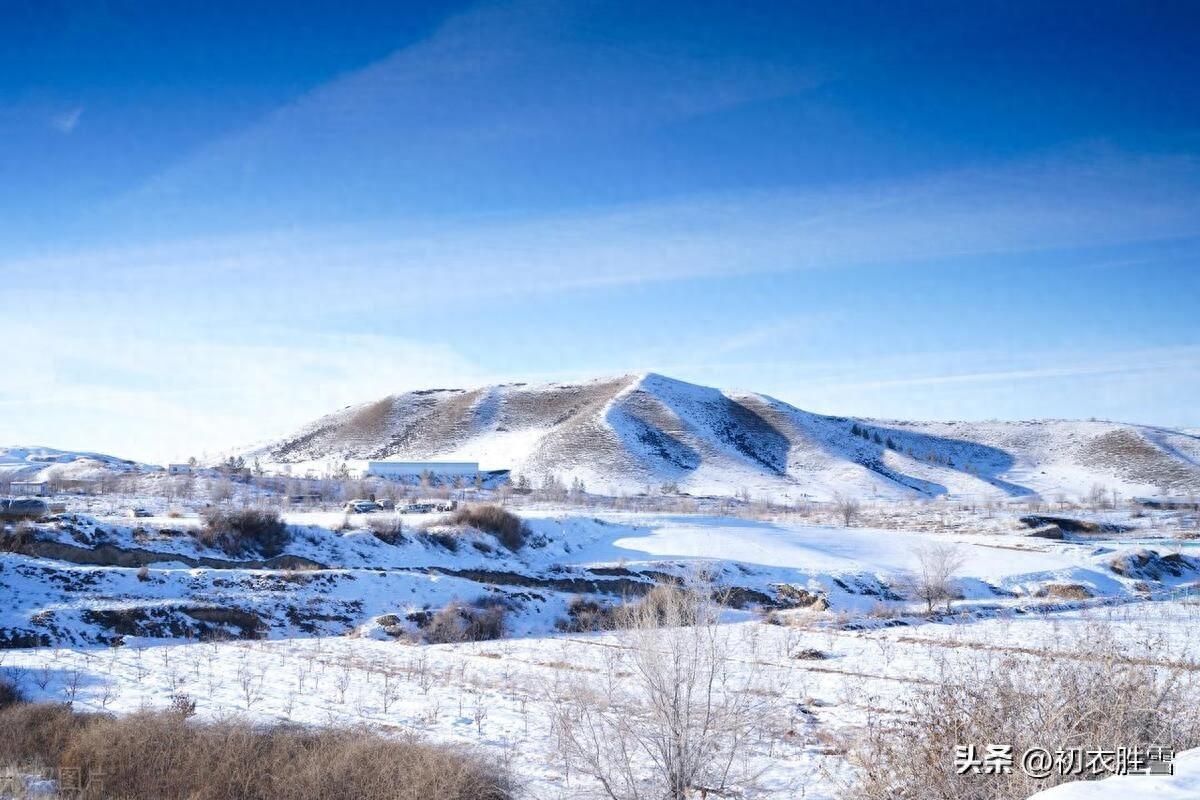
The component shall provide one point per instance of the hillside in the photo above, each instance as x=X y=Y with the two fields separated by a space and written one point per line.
x=43 y=463
x=627 y=433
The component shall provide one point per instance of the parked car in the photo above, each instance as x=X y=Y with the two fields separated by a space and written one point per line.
x=428 y=506
x=23 y=508
x=137 y=513
x=361 y=507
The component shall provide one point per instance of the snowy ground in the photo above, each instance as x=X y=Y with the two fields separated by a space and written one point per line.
x=1183 y=785
x=497 y=695
x=327 y=659
x=87 y=573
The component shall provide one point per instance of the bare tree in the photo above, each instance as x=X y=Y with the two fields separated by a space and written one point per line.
x=220 y=491
x=934 y=578
x=679 y=724
x=847 y=508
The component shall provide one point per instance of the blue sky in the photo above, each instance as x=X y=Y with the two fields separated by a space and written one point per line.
x=220 y=220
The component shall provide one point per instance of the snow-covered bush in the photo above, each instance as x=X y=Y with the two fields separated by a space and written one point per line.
x=240 y=531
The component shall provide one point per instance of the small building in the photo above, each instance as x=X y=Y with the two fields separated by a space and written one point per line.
x=29 y=488
x=413 y=470
x=179 y=469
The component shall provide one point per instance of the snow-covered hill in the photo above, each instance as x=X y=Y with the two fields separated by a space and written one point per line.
x=630 y=433
x=44 y=463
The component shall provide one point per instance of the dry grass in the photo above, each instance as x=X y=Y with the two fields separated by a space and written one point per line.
x=37 y=735
x=21 y=535
x=1085 y=692
x=164 y=756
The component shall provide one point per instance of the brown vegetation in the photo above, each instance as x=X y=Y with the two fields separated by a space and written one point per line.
x=10 y=693
x=507 y=527
x=244 y=530
x=388 y=528
x=459 y=622
x=166 y=756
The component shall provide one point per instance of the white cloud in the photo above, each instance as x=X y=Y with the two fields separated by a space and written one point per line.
x=169 y=397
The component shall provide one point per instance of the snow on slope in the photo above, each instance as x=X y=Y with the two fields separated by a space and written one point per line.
x=39 y=463
x=633 y=432
x=78 y=581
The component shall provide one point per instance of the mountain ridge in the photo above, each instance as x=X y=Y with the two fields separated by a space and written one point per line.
x=628 y=432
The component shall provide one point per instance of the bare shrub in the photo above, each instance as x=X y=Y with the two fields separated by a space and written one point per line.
x=182 y=705
x=240 y=531
x=447 y=541
x=164 y=756
x=584 y=615
x=23 y=534
x=1087 y=692
x=10 y=693
x=388 y=528
x=220 y=491
x=458 y=622
x=506 y=526
x=681 y=724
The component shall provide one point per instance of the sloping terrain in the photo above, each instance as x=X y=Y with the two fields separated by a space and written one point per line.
x=44 y=463
x=637 y=433
x=81 y=579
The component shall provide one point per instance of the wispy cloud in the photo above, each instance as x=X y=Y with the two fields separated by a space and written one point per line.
x=502 y=81
x=66 y=121
x=1016 y=208
x=1143 y=363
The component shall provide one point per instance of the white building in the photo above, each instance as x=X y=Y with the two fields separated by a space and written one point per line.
x=29 y=488
x=402 y=470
